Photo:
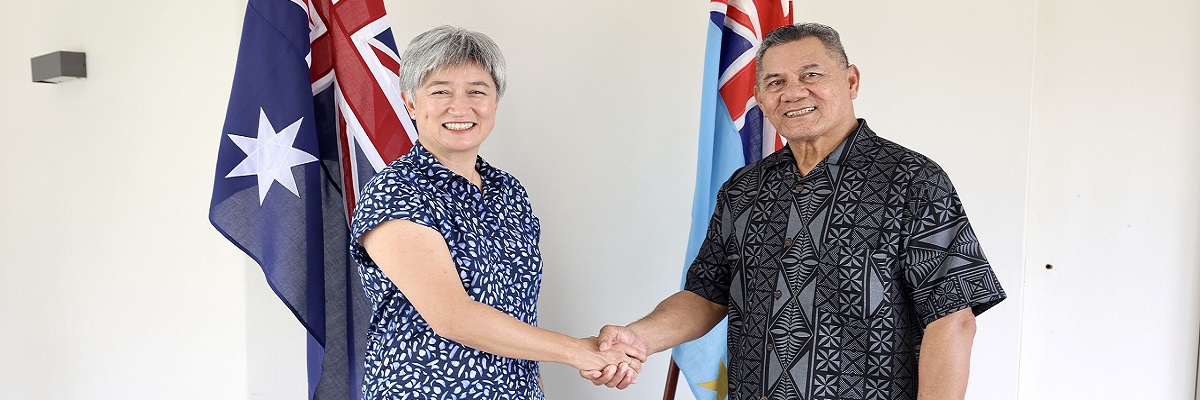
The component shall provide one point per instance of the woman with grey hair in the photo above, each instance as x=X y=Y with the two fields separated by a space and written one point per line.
x=447 y=246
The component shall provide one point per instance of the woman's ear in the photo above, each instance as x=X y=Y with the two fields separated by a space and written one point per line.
x=408 y=104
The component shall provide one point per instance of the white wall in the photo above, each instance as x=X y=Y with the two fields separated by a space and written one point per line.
x=1114 y=186
x=599 y=123
x=113 y=285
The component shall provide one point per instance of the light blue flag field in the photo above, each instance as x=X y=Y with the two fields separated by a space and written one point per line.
x=733 y=134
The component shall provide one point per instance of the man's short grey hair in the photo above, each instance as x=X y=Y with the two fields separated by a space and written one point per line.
x=449 y=46
x=791 y=33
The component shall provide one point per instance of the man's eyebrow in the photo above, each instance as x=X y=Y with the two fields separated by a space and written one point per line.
x=805 y=67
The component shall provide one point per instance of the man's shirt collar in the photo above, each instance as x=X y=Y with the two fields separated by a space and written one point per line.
x=841 y=155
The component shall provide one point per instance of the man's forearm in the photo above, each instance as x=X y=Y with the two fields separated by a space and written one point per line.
x=680 y=318
x=945 y=359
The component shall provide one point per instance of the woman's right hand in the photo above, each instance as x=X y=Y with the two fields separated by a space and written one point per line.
x=592 y=362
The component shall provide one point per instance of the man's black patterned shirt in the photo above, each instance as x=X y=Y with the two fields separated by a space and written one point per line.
x=831 y=278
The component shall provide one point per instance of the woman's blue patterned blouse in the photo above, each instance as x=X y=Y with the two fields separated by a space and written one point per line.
x=493 y=240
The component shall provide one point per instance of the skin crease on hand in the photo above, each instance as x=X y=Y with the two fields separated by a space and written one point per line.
x=618 y=376
x=682 y=317
x=616 y=373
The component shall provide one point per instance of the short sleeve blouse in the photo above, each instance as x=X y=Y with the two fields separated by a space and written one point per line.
x=492 y=236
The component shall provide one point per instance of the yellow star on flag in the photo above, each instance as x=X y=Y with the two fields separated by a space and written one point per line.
x=721 y=384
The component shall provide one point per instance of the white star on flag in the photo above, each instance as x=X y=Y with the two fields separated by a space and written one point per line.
x=270 y=156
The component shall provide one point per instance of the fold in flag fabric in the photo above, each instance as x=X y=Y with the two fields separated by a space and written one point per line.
x=733 y=133
x=314 y=112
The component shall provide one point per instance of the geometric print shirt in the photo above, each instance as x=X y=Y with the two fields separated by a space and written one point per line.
x=832 y=277
x=493 y=238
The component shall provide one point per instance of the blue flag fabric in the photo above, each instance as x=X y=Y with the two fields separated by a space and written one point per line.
x=728 y=141
x=290 y=160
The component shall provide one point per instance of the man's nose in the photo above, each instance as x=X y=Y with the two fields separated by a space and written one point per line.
x=793 y=91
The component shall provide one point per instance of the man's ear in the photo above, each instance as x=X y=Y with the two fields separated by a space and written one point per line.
x=852 y=76
x=756 y=99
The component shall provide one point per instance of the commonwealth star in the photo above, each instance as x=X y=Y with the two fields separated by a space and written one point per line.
x=270 y=156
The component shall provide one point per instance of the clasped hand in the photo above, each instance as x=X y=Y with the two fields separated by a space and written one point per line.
x=623 y=345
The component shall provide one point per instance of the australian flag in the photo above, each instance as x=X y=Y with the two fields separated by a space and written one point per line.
x=733 y=133
x=314 y=111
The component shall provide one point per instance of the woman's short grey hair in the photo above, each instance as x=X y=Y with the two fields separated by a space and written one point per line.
x=791 y=33
x=448 y=46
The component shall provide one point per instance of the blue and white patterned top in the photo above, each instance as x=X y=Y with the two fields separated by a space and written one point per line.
x=493 y=239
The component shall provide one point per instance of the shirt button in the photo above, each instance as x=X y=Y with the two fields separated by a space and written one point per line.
x=762 y=397
x=777 y=294
x=770 y=347
x=787 y=242
x=799 y=187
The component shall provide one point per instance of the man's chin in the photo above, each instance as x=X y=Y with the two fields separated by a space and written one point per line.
x=801 y=136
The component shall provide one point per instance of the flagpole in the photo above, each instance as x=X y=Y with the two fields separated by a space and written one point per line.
x=672 y=380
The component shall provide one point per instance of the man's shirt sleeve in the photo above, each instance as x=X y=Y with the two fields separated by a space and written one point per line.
x=711 y=271
x=943 y=262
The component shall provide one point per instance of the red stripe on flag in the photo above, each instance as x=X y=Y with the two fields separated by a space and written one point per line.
x=362 y=92
x=322 y=63
x=742 y=19
x=738 y=91
x=355 y=14
x=770 y=15
x=386 y=59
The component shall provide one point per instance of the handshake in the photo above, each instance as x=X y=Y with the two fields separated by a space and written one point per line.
x=614 y=358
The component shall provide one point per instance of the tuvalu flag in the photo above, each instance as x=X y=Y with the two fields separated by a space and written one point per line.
x=314 y=111
x=733 y=133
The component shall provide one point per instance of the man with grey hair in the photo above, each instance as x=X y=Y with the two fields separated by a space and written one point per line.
x=845 y=262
